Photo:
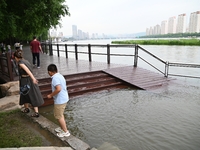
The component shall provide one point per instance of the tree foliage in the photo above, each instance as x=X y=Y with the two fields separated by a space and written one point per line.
x=21 y=19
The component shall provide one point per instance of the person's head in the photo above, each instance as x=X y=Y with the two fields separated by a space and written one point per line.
x=34 y=37
x=17 y=46
x=18 y=54
x=52 y=69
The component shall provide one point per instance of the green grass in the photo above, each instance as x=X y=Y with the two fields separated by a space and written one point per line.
x=14 y=131
x=189 y=42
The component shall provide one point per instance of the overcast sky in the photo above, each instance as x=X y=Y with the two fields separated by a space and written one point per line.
x=122 y=16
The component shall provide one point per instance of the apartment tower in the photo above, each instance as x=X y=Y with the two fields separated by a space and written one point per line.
x=172 y=25
x=194 y=23
x=74 y=31
x=181 y=24
x=164 y=27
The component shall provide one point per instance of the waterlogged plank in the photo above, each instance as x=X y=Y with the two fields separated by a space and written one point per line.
x=139 y=77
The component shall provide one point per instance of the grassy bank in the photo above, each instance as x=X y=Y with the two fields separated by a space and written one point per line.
x=190 y=42
x=15 y=131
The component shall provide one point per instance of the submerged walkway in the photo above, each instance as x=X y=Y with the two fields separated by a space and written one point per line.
x=65 y=66
x=141 y=78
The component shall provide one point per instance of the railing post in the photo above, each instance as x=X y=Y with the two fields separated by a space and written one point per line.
x=136 y=56
x=58 y=50
x=66 y=53
x=50 y=50
x=108 y=53
x=166 y=68
x=89 y=52
x=76 y=51
x=45 y=48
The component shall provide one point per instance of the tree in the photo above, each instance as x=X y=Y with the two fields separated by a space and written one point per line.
x=22 y=19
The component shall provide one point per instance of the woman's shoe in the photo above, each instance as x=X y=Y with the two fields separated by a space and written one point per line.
x=26 y=110
x=35 y=115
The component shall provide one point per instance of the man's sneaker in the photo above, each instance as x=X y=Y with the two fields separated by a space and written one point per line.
x=58 y=130
x=38 y=67
x=63 y=134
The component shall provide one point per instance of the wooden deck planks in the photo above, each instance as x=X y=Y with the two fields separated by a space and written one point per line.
x=138 y=77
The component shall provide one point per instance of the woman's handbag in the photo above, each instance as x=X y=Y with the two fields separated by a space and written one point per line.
x=25 y=89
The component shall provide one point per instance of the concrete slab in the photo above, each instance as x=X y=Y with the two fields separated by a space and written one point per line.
x=71 y=141
x=9 y=103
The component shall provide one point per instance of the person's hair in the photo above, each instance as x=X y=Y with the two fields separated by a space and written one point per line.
x=52 y=68
x=18 y=53
x=34 y=37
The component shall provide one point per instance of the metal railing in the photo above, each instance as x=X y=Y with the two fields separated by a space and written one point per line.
x=136 y=48
x=197 y=66
x=6 y=65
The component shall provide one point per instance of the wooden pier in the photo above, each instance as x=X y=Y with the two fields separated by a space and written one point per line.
x=83 y=77
x=136 y=76
x=139 y=77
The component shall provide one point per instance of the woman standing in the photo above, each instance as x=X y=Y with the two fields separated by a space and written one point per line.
x=29 y=90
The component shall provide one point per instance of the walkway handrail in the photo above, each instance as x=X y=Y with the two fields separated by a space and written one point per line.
x=151 y=54
x=185 y=65
x=136 y=48
x=165 y=63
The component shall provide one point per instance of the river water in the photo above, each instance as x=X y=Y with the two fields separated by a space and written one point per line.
x=130 y=119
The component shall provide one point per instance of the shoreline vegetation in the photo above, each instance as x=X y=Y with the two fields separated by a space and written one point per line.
x=18 y=131
x=15 y=131
x=182 y=42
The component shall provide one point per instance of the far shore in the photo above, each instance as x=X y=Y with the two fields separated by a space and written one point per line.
x=183 y=42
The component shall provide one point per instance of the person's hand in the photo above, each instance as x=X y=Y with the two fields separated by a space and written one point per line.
x=35 y=81
x=49 y=96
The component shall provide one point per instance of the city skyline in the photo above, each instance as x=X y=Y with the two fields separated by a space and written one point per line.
x=179 y=24
x=121 y=17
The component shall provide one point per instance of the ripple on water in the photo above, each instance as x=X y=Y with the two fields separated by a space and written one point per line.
x=138 y=120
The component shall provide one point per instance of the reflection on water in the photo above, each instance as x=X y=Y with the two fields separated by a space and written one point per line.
x=168 y=118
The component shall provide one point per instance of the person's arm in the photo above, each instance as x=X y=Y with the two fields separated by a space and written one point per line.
x=31 y=48
x=57 y=90
x=40 y=48
x=23 y=66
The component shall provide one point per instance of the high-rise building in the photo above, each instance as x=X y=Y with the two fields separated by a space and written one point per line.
x=147 y=31
x=194 y=23
x=172 y=25
x=74 y=31
x=80 y=34
x=181 y=24
x=151 y=31
x=164 y=27
x=53 y=33
x=157 y=30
